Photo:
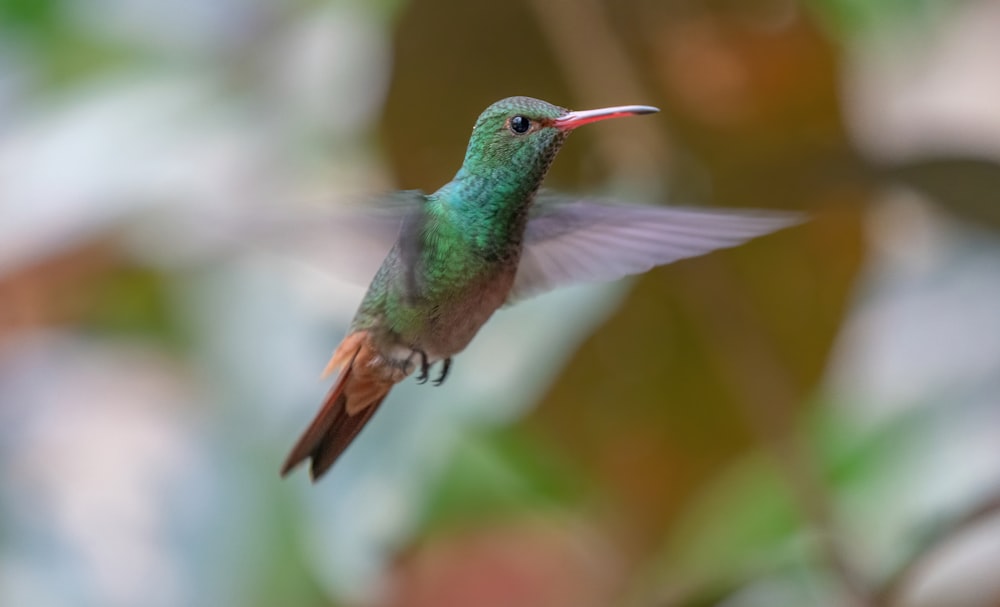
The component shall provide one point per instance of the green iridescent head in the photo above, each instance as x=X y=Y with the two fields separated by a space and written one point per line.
x=515 y=139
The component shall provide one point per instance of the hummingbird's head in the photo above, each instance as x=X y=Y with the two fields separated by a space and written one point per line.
x=515 y=140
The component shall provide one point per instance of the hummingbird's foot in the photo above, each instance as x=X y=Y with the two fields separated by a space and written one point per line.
x=425 y=367
x=445 y=367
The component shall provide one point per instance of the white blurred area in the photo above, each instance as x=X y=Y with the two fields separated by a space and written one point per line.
x=921 y=349
x=120 y=485
x=171 y=135
x=921 y=352
x=928 y=89
x=101 y=465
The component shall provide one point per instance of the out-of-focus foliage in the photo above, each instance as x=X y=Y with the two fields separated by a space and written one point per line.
x=856 y=17
x=811 y=419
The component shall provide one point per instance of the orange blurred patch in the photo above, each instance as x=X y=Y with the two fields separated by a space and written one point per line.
x=522 y=564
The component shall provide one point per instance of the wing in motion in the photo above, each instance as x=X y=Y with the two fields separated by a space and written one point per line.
x=349 y=241
x=568 y=242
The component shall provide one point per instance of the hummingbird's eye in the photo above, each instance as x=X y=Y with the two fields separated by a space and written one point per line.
x=519 y=124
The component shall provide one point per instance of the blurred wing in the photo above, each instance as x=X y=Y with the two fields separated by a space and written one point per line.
x=350 y=241
x=586 y=241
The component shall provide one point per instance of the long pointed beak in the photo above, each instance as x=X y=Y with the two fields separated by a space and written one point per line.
x=571 y=120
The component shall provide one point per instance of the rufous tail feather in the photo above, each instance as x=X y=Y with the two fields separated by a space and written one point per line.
x=348 y=406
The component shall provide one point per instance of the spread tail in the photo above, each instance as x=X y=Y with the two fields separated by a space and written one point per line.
x=347 y=408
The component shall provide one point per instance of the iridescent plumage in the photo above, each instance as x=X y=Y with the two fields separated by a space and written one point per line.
x=485 y=239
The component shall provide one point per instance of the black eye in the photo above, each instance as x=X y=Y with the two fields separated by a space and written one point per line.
x=520 y=124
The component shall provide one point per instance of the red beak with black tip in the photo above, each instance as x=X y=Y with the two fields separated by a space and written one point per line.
x=571 y=120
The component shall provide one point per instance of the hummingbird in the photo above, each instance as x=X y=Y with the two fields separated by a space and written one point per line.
x=486 y=239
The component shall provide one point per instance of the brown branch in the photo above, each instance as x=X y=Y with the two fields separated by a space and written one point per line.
x=892 y=589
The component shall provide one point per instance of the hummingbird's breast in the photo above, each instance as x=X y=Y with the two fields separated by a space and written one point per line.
x=456 y=319
x=437 y=301
x=452 y=267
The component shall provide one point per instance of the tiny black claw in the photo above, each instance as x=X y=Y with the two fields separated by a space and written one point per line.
x=425 y=367
x=445 y=367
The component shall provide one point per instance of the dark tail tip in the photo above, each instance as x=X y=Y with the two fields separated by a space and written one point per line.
x=295 y=458
x=328 y=437
x=315 y=471
x=298 y=455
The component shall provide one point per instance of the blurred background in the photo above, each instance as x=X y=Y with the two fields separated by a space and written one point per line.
x=811 y=419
